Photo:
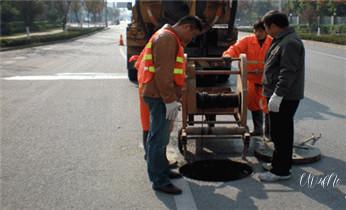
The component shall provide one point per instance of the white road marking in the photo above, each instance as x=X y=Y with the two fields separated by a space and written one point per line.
x=47 y=48
x=185 y=201
x=8 y=62
x=20 y=58
x=122 y=53
x=329 y=55
x=71 y=76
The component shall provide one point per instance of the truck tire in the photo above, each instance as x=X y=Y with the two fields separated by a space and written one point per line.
x=131 y=72
x=174 y=10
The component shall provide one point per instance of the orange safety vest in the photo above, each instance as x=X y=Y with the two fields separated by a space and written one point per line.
x=255 y=55
x=146 y=68
x=255 y=63
x=142 y=64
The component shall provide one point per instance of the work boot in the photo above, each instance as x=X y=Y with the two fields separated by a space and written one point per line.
x=145 y=137
x=173 y=164
x=257 y=119
x=169 y=189
x=174 y=175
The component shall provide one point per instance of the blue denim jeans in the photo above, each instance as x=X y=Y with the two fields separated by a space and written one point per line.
x=158 y=138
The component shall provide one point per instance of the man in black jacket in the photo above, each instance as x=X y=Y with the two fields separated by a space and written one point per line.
x=283 y=85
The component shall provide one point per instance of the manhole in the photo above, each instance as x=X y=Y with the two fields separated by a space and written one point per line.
x=216 y=170
x=301 y=154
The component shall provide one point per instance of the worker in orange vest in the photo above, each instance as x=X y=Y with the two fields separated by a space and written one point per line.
x=161 y=70
x=143 y=107
x=255 y=46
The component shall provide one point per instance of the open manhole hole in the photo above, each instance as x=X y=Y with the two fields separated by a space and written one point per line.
x=216 y=170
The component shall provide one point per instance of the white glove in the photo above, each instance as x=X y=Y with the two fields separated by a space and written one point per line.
x=172 y=110
x=274 y=103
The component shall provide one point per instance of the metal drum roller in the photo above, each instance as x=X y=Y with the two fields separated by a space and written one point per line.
x=220 y=99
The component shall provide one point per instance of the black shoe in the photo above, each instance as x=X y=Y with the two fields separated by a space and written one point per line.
x=174 y=175
x=256 y=133
x=169 y=189
x=267 y=138
x=173 y=165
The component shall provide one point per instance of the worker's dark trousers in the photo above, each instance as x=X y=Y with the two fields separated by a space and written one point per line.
x=282 y=133
x=157 y=141
x=257 y=119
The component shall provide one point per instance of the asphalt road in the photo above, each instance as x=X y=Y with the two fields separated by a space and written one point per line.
x=70 y=135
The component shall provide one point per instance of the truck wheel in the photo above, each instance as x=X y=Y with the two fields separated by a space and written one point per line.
x=131 y=70
x=174 y=10
x=132 y=74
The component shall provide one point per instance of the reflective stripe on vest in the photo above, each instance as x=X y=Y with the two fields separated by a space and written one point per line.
x=148 y=57
x=148 y=45
x=178 y=71
x=180 y=59
x=148 y=70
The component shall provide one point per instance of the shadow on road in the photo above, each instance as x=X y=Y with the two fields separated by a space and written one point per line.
x=249 y=189
x=328 y=195
x=309 y=108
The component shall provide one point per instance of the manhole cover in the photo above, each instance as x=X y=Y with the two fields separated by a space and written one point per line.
x=301 y=154
x=216 y=170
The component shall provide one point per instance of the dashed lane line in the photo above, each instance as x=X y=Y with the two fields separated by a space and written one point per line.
x=69 y=76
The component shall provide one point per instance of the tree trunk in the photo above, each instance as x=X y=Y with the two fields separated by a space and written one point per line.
x=64 y=23
x=88 y=19
x=27 y=29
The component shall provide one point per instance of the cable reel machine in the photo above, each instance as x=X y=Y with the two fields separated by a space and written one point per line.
x=219 y=99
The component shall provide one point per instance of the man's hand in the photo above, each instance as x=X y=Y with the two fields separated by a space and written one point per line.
x=274 y=103
x=172 y=110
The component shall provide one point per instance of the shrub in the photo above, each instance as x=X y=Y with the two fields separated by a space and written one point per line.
x=74 y=32
x=337 y=38
x=8 y=28
x=12 y=27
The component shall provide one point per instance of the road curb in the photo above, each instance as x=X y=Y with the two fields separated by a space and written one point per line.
x=48 y=43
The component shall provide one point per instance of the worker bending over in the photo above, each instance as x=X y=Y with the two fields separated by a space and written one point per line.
x=161 y=67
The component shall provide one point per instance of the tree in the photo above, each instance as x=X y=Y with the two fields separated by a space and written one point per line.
x=8 y=11
x=244 y=12
x=262 y=7
x=64 y=7
x=308 y=13
x=340 y=7
x=94 y=7
x=30 y=10
x=113 y=14
x=76 y=9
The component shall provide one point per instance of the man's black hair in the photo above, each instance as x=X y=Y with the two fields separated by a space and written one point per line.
x=259 y=25
x=194 y=21
x=278 y=18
